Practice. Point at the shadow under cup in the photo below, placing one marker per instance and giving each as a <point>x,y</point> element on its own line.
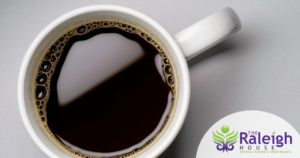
<point>93,13</point>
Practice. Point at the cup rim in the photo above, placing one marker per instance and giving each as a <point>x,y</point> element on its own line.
<point>185,84</point>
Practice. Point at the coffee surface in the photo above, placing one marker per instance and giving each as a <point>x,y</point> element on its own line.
<point>105,91</point>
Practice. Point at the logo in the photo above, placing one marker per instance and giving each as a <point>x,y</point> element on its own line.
<point>250,134</point>
<point>225,142</point>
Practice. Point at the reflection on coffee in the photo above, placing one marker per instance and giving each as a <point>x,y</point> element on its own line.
<point>104,89</point>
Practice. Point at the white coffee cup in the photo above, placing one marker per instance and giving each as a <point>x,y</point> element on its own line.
<point>184,45</point>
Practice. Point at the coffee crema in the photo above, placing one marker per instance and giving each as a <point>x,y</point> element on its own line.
<point>117,117</point>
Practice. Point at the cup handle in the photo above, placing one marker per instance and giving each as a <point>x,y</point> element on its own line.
<point>208,32</point>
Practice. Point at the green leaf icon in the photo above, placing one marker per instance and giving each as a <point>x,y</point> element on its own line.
<point>273,132</point>
<point>223,140</point>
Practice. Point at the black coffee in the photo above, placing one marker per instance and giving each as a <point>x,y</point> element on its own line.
<point>104,89</point>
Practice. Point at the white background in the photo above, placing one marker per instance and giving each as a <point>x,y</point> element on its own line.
<point>256,69</point>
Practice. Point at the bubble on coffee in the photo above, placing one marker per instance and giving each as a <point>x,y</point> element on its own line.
<point>53,58</point>
<point>46,65</point>
<point>40,92</point>
<point>53,49</point>
<point>81,29</point>
<point>41,79</point>
<point>168,69</point>
<point>127,105</point>
<point>171,80</point>
<point>166,61</point>
<point>48,55</point>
